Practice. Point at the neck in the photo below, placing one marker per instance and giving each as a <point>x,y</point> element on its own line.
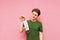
<point>33,20</point>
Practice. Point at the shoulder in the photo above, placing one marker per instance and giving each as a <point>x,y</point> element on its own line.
<point>28,20</point>
<point>39,23</point>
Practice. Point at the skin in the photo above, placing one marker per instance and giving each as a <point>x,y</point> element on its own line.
<point>22,18</point>
<point>34,16</point>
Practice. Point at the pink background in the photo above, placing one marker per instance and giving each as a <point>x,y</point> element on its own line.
<point>10,10</point>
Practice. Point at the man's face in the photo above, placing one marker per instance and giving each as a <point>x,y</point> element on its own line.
<point>34,15</point>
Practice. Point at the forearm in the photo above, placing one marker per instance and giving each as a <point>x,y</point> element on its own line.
<point>40,36</point>
<point>21,27</point>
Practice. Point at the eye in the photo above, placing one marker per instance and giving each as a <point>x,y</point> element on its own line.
<point>35,15</point>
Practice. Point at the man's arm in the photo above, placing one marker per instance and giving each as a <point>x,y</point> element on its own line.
<point>22,18</point>
<point>40,35</point>
<point>21,27</point>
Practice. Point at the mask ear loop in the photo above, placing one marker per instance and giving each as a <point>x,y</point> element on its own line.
<point>26,25</point>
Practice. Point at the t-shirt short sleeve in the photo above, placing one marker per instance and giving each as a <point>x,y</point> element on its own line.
<point>40,27</point>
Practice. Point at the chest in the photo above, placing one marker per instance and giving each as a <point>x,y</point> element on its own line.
<point>33,26</point>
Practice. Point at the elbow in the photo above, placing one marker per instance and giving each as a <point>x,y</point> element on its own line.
<point>20,31</point>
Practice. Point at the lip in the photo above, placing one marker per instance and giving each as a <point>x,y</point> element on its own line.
<point>33,17</point>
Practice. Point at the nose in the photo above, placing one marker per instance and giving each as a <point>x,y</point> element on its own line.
<point>33,15</point>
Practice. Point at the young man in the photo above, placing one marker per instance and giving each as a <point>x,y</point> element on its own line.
<point>35,27</point>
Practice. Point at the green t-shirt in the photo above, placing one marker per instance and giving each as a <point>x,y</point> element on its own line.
<point>34,29</point>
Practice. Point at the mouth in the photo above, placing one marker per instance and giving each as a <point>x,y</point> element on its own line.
<point>33,17</point>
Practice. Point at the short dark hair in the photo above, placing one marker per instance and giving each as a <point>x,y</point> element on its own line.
<point>36,10</point>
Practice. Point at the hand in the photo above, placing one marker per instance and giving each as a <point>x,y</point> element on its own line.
<point>22,18</point>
